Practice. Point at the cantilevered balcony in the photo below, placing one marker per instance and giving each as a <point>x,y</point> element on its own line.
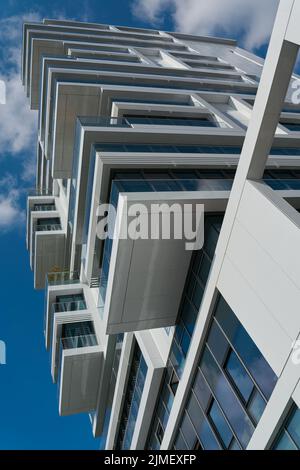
<point>38,201</point>
<point>78,346</point>
<point>155,270</point>
<point>76,353</point>
<point>80,362</point>
<point>46,243</point>
<point>151,295</point>
<point>64,295</point>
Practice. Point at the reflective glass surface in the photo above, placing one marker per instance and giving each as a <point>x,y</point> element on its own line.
<point>194,288</point>
<point>133,395</point>
<point>228,393</point>
<point>289,435</point>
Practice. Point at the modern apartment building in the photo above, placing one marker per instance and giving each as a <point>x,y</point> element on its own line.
<point>163,347</point>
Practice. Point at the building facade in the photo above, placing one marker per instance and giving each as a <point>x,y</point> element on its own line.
<point>164,347</point>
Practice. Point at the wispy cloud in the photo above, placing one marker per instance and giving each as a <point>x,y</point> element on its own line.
<point>250,20</point>
<point>18,125</point>
<point>11,213</point>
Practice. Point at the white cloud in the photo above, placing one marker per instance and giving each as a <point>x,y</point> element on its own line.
<point>251,20</point>
<point>29,169</point>
<point>18,125</point>
<point>11,213</point>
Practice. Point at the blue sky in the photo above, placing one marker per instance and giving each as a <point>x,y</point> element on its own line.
<point>28,399</point>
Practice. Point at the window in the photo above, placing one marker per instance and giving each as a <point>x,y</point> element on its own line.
<point>291,126</point>
<point>171,120</point>
<point>78,335</point>
<point>289,436</point>
<point>231,385</point>
<point>256,406</point>
<point>220,424</point>
<point>159,432</point>
<point>48,224</point>
<point>217,149</point>
<point>180,443</point>
<point>197,445</point>
<point>179,349</point>
<point>135,386</point>
<point>49,206</point>
<point>71,302</point>
<point>174,381</point>
<point>239,376</point>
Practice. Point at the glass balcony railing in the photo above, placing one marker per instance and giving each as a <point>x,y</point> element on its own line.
<point>283,184</point>
<point>172,121</point>
<point>130,121</point>
<point>83,341</point>
<point>168,185</point>
<point>48,228</point>
<point>61,307</point>
<point>40,192</point>
<point>63,278</point>
<point>44,207</point>
<point>291,110</point>
<point>105,121</point>
<point>73,305</point>
<point>59,279</point>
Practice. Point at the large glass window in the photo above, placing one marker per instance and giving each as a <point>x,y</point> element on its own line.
<point>231,387</point>
<point>219,423</point>
<point>239,376</point>
<point>191,300</point>
<point>135,386</point>
<point>289,436</point>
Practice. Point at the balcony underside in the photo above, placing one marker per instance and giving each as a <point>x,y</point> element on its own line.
<point>81,370</point>
<point>147,277</point>
<point>48,256</point>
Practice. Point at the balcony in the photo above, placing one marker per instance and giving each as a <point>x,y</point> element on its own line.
<point>78,346</point>
<point>64,307</point>
<point>150,264</point>
<point>38,201</point>
<point>155,269</point>
<point>64,294</point>
<point>62,278</point>
<point>46,242</point>
<point>44,207</point>
<point>81,361</point>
